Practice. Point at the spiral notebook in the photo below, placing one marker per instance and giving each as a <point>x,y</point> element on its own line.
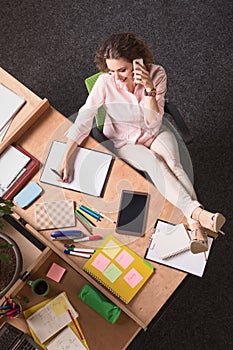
<point>119,268</point>
<point>171,240</point>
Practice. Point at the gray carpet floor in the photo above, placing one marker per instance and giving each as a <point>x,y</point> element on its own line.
<point>49,46</point>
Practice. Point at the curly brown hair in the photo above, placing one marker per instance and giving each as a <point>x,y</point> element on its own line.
<point>122,45</point>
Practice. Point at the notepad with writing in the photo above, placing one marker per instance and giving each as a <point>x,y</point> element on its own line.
<point>90,169</point>
<point>119,268</point>
<point>171,240</point>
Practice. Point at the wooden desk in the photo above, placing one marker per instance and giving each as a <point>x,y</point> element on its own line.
<point>51,125</point>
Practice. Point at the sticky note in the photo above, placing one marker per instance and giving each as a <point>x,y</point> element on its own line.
<point>100,262</point>
<point>124,259</point>
<point>56,272</point>
<point>111,249</point>
<point>112,272</point>
<point>133,278</point>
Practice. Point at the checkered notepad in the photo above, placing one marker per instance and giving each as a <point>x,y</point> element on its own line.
<point>55,214</point>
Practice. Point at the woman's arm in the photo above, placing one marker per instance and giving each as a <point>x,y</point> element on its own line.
<point>155,89</point>
<point>65,169</point>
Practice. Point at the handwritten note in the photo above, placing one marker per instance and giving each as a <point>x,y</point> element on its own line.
<point>51,318</point>
<point>133,278</point>
<point>66,340</point>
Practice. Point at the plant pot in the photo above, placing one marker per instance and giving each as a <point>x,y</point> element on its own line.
<point>9,271</point>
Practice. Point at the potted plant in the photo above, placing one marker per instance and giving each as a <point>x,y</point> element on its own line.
<point>5,208</point>
<point>10,256</point>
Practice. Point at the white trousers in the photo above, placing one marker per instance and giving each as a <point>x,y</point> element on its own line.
<point>162,163</point>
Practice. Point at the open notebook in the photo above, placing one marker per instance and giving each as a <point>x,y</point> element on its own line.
<point>91,169</point>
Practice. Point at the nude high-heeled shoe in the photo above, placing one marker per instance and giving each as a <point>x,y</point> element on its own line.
<point>197,245</point>
<point>211,221</point>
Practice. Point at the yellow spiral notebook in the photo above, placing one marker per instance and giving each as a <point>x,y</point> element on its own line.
<point>118,268</point>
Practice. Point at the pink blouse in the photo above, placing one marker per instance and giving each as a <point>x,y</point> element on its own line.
<point>125,111</point>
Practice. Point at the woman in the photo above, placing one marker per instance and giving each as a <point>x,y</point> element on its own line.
<point>134,104</point>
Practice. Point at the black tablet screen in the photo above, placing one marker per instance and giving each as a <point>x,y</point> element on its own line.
<point>132,213</point>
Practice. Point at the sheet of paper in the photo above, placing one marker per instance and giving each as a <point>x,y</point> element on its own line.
<point>10,103</point>
<point>12,162</point>
<point>66,340</point>
<point>50,319</point>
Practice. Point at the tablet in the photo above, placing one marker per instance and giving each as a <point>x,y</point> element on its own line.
<point>132,213</point>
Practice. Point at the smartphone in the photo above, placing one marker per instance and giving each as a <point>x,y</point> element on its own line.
<point>140,61</point>
<point>132,213</point>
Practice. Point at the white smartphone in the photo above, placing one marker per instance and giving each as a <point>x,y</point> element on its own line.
<point>137,60</point>
<point>140,61</point>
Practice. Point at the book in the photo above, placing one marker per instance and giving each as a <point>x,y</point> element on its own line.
<point>118,268</point>
<point>91,169</point>
<point>51,318</point>
<point>10,104</point>
<point>186,261</point>
<point>171,240</point>
<point>54,214</point>
<point>48,310</point>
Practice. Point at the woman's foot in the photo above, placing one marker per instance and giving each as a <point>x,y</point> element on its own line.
<point>199,239</point>
<point>213,222</point>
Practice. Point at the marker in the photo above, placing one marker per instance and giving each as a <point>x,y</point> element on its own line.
<point>56,172</point>
<point>91,238</point>
<point>82,255</point>
<point>105,216</point>
<point>81,250</point>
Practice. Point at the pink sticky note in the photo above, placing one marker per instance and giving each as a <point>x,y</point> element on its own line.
<point>124,259</point>
<point>100,262</point>
<point>133,278</point>
<point>56,272</point>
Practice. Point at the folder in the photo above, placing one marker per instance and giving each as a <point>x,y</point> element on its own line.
<point>30,169</point>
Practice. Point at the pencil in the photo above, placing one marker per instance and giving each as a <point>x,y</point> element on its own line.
<point>85,216</point>
<point>80,219</point>
<point>75,324</point>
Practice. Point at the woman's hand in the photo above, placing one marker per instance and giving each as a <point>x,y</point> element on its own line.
<point>66,168</point>
<point>142,76</point>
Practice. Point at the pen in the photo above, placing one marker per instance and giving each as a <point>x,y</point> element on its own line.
<point>90,212</point>
<point>82,255</point>
<point>91,238</point>
<point>75,324</point>
<point>81,250</point>
<point>105,216</point>
<point>56,172</point>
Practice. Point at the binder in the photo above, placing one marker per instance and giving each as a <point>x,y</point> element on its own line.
<point>30,169</point>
